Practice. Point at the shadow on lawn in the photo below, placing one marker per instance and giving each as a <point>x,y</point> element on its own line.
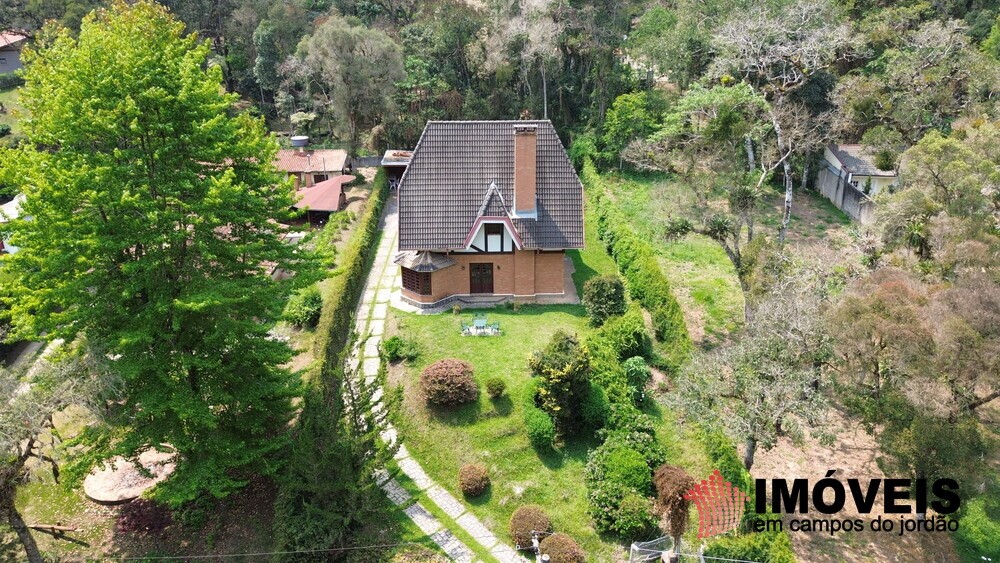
<point>460,415</point>
<point>575,449</point>
<point>482,499</point>
<point>502,406</point>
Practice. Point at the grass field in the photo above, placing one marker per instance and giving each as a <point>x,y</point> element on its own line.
<point>492,431</point>
<point>9,99</point>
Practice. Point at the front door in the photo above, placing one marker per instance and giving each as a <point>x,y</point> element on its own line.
<point>481,278</point>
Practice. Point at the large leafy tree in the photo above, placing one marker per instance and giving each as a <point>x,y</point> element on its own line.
<point>349,72</point>
<point>152,232</point>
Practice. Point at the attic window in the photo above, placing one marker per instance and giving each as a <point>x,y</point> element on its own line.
<point>493,229</point>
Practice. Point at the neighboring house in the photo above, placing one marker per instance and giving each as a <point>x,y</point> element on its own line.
<point>849,178</point>
<point>311,166</point>
<point>322,199</point>
<point>487,208</point>
<point>10,51</point>
<point>394,162</point>
<point>8,212</point>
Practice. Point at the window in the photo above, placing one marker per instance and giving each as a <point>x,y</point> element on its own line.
<point>3,61</point>
<point>317,178</point>
<point>494,229</point>
<point>417,282</point>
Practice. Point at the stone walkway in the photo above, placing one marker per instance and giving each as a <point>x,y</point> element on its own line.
<point>384,279</point>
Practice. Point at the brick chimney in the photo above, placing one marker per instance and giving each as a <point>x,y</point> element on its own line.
<point>525,168</point>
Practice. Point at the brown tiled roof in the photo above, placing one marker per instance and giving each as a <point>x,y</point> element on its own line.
<point>324,196</point>
<point>856,160</point>
<point>291,160</point>
<point>445,188</point>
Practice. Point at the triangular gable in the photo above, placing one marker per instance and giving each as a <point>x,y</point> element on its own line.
<point>488,219</point>
<point>493,203</point>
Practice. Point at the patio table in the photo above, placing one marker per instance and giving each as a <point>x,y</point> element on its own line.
<point>479,323</point>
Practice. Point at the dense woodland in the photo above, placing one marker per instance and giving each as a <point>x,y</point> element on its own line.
<point>900,330</point>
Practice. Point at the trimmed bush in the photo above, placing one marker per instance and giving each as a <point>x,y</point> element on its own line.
<point>627,467</point>
<point>562,549</point>
<point>766,547</point>
<point>396,348</point>
<point>304,307</point>
<point>604,297</point>
<point>636,259</point>
<point>563,372</point>
<point>596,409</point>
<point>638,375</point>
<point>541,429</point>
<point>979,526</point>
<point>526,519</point>
<point>495,387</point>
<point>449,382</point>
<point>633,517</point>
<point>473,479</point>
<point>4,129</point>
<point>671,483</point>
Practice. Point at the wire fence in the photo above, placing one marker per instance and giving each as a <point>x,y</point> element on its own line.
<point>654,550</point>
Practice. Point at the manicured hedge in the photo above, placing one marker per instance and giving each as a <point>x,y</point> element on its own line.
<point>636,258</point>
<point>344,289</point>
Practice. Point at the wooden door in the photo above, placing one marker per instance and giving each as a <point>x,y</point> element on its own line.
<point>481,278</point>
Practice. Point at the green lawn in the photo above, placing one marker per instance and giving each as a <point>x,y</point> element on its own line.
<point>9,99</point>
<point>492,432</point>
<point>592,260</point>
<point>701,274</point>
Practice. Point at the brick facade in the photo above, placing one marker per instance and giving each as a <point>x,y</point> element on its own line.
<point>522,273</point>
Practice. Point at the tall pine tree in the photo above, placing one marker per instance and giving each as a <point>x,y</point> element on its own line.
<point>152,203</point>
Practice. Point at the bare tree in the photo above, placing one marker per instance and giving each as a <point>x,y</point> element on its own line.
<point>777,50</point>
<point>31,398</point>
<point>532,27</point>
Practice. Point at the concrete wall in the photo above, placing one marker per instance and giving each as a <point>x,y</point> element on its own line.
<point>12,60</point>
<point>522,273</point>
<point>834,186</point>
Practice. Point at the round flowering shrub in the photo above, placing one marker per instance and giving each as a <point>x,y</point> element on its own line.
<point>526,519</point>
<point>562,549</point>
<point>473,479</point>
<point>449,382</point>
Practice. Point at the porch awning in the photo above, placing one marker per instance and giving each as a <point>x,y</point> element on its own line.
<point>423,260</point>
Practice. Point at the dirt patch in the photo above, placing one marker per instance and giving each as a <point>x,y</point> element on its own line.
<point>852,456</point>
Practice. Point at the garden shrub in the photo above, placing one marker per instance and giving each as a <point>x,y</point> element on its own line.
<point>304,307</point>
<point>396,348</point>
<point>671,484</point>
<point>4,129</point>
<point>627,335</point>
<point>143,516</point>
<point>604,297</point>
<point>722,453</point>
<point>636,258</point>
<point>638,375</point>
<point>628,467</point>
<point>343,290</point>
<point>563,372</point>
<point>765,547</point>
<point>473,479</point>
<point>449,382</point>
<point>978,532</point>
<point>526,519</point>
<point>541,429</point>
<point>633,517</point>
<point>596,409</point>
<point>495,387</point>
<point>562,549</point>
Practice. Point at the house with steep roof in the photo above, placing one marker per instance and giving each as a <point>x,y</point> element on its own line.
<point>322,199</point>
<point>10,51</point>
<point>308,167</point>
<point>849,178</point>
<point>9,212</point>
<point>487,208</point>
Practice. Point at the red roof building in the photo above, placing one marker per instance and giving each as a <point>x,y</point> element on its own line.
<point>311,166</point>
<point>323,198</point>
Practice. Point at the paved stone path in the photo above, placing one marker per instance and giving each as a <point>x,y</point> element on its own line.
<point>383,281</point>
